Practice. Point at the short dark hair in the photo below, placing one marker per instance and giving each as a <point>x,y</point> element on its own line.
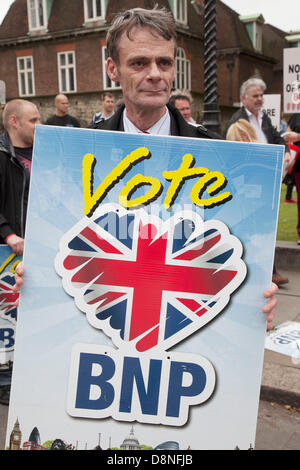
<point>173,99</point>
<point>159,19</point>
<point>15,107</point>
<point>105,94</point>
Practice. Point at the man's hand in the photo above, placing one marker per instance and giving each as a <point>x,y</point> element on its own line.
<point>291,137</point>
<point>19,273</point>
<point>16,244</point>
<point>288,160</point>
<point>269,307</point>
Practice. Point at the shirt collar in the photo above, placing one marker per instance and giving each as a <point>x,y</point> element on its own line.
<point>161,127</point>
<point>259,114</point>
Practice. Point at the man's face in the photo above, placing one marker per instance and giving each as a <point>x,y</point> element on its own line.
<point>108,105</point>
<point>62,105</point>
<point>184,107</point>
<point>254,99</point>
<point>145,70</point>
<point>25,125</point>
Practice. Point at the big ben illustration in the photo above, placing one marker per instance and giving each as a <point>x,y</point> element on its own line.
<point>15,437</point>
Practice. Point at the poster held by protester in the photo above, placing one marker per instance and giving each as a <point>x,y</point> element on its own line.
<point>146,260</point>
<point>8,309</point>
<point>8,319</point>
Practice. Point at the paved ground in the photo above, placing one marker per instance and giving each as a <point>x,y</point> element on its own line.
<point>278,427</point>
<point>281,373</point>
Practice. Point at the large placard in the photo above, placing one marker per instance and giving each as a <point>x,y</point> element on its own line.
<point>141,317</point>
<point>8,309</point>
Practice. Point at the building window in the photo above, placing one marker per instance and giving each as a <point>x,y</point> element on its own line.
<point>94,10</point>
<point>180,11</point>
<point>253,24</point>
<point>258,37</point>
<point>37,17</point>
<point>107,82</point>
<point>25,76</point>
<point>255,33</point>
<point>293,40</point>
<point>66,72</point>
<point>183,71</point>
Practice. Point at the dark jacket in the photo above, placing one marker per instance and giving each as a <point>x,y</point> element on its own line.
<point>12,191</point>
<point>179,126</point>
<point>272,135</point>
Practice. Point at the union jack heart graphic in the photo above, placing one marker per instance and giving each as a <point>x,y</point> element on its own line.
<point>8,297</point>
<point>145,282</point>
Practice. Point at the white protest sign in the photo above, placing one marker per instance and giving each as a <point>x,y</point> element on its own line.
<point>291,80</point>
<point>272,109</point>
<point>285,339</point>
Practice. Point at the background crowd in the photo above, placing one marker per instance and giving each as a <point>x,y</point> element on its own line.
<point>248,124</point>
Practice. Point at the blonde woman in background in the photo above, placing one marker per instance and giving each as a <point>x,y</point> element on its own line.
<point>241,131</point>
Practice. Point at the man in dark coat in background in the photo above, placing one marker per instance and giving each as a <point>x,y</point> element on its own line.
<point>252,98</point>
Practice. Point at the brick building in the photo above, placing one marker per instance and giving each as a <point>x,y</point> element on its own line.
<point>246,47</point>
<point>52,46</point>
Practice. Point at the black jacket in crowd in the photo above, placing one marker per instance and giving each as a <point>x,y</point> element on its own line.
<point>272,135</point>
<point>179,126</point>
<point>12,191</point>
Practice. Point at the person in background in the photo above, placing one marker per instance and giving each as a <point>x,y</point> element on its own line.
<point>182,100</point>
<point>292,136</point>
<point>241,131</point>
<point>16,142</point>
<point>61,116</point>
<point>19,119</point>
<point>283,125</point>
<point>108,108</point>
<point>288,179</point>
<point>252,98</point>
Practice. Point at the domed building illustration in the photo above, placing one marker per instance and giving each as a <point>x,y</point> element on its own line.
<point>131,442</point>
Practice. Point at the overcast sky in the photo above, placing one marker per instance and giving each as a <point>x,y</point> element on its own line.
<point>283,14</point>
<point>4,6</point>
